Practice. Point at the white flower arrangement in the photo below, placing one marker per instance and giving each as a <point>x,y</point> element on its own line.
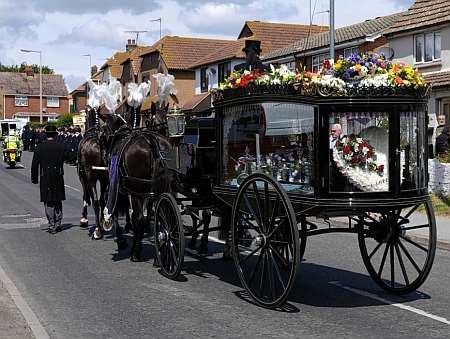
<point>329,81</point>
<point>379,80</point>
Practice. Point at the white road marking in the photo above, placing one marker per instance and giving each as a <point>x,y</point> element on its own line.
<point>388,302</point>
<point>16,215</point>
<point>31,318</point>
<point>72,188</point>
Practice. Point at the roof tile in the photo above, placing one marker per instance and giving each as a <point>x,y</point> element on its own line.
<point>19,83</point>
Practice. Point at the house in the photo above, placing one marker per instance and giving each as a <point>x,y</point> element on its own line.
<point>421,37</point>
<point>312,50</point>
<point>79,94</point>
<point>130,67</point>
<point>175,55</point>
<point>112,68</point>
<point>21,100</point>
<point>216,66</point>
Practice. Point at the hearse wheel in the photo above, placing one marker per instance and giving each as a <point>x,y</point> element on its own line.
<point>169,236</point>
<point>398,246</point>
<point>265,240</point>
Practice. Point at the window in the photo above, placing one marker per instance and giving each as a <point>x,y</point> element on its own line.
<point>290,65</point>
<point>349,51</point>
<point>427,47</point>
<point>317,61</point>
<point>52,102</point>
<point>359,152</point>
<point>203,80</point>
<point>275,138</point>
<point>224,71</point>
<point>21,100</point>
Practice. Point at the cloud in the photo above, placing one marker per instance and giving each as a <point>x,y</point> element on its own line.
<point>18,21</point>
<point>73,81</point>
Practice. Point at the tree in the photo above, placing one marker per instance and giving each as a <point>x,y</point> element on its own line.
<point>21,68</point>
<point>65,120</point>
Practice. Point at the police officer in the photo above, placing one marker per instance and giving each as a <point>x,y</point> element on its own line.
<point>48,168</point>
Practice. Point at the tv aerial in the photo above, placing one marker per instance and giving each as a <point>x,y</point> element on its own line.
<point>137,34</point>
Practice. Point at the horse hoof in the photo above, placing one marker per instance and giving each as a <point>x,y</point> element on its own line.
<point>107,225</point>
<point>97,236</point>
<point>135,258</point>
<point>84,223</point>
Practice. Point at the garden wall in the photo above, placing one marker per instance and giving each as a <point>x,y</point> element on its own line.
<point>439,177</point>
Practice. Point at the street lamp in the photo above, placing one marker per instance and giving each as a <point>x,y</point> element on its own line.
<point>89,75</point>
<point>176,122</point>
<point>40,79</point>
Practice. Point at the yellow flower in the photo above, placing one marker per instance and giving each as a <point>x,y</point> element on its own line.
<point>338,65</point>
<point>357,67</point>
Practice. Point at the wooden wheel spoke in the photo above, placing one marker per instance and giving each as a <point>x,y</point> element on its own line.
<point>411,260</point>
<point>411,211</point>
<point>270,274</point>
<point>391,250</point>
<point>258,205</point>
<point>174,254</point>
<point>261,281</point>
<point>266,206</point>
<point>250,255</point>
<point>402,265</point>
<point>380,270</point>
<point>414,243</point>
<point>270,235</point>
<point>283,260</point>
<point>375,250</point>
<point>257,229</point>
<point>252,210</point>
<point>255,269</point>
<point>415,227</point>
<point>277,270</point>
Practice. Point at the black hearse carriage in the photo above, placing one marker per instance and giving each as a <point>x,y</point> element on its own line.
<point>279,170</point>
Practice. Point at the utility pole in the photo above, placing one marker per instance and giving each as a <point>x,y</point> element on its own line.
<point>160,25</point>
<point>332,33</point>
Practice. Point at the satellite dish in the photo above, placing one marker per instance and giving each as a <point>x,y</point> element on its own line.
<point>388,52</point>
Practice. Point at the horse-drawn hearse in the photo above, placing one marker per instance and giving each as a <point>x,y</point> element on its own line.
<point>263,161</point>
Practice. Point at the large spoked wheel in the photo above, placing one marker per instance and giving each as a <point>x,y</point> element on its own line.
<point>169,236</point>
<point>265,240</point>
<point>398,246</point>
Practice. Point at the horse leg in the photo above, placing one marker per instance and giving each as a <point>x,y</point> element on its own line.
<point>84,222</point>
<point>118,233</point>
<point>98,232</point>
<point>206,218</point>
<point>128,223</point>
<point>138,228</point>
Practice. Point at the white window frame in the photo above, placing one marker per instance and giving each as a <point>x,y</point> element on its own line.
<point>436,55</point>
<point>21,101</point>
<point>317,61</point>
<point>55,102</point>
<point>349,51</point>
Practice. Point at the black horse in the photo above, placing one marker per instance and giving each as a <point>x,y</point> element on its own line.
<point>92,169</point>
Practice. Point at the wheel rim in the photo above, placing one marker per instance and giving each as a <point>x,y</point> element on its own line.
<point>169,237</point>
<point>398,246</point>
<point>265,240</point>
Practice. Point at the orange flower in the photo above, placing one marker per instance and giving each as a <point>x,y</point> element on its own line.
<point>398,81</point>
<point>395,68</point>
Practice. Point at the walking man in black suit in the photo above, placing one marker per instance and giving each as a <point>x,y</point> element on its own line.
<point>48,168</point>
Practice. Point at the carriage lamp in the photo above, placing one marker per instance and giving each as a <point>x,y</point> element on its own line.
<point>176,121</point>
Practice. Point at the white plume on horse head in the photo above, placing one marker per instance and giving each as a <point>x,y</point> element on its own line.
<point>166,86</point>
<point>95,96</point>
<point>137,93</point>
<point>112,94</point>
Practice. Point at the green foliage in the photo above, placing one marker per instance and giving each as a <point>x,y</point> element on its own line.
<point>21,69</point>
<point>65,120</point>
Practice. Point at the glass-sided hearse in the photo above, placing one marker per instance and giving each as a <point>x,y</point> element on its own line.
<point>279,164</point>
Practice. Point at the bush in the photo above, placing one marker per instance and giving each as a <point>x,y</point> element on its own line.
<point>65,120</point>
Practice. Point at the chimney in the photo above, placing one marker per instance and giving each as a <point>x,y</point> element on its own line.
<point>131,44</point>
<point>29,71</point>
<point>93,70</point>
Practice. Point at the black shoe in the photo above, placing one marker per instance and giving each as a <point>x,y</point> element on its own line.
<point>58,229</point>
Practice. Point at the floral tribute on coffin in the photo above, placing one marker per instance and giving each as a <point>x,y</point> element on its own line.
<point>358,160</point>
<point>357,75</point>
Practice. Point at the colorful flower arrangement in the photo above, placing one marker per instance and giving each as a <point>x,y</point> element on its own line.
<point>365,70</point>
<point>357,152</point>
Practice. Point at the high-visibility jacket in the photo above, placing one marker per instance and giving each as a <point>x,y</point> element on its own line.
<point>12,142</point>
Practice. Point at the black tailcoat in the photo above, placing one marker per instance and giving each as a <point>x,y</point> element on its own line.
<point>48,168</point>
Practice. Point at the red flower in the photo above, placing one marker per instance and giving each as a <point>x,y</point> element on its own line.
<point>346,149</point>
<point>381,168</point>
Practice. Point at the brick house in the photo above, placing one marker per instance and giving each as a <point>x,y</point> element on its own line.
<point>20,96</point>
<point>175,55</point>
<point>367,36</point>
<point>421,38</point>
<point>214,67</point>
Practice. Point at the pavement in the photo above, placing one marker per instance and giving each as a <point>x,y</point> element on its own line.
<point>68,286</point>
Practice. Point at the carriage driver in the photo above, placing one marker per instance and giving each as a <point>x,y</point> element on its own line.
<point>13,142</point>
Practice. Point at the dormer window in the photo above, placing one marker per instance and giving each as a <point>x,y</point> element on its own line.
<point>427,47</point>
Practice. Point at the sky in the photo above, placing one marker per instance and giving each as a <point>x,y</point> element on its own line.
<point>66,30</point>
